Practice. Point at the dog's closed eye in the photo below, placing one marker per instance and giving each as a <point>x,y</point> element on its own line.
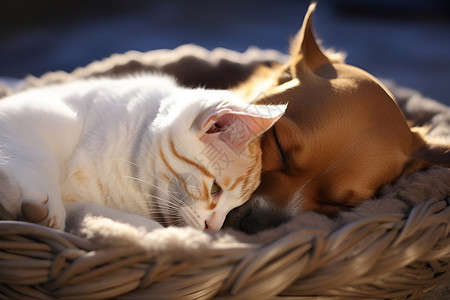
<point>280,149</point>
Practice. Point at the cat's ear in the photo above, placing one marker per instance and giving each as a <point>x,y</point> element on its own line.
<point>237,126</point>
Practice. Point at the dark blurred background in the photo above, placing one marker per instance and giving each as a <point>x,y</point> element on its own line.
<point>404,40</point>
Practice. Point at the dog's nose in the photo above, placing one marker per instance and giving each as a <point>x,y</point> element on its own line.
<point>256,222</point>
<point>251,225</point>
<point>254,216</point>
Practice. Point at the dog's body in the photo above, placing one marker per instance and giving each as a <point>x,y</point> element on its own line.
<point>342,136</point>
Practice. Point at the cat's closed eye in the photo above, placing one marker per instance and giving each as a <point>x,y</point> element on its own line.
<point>215,189</point>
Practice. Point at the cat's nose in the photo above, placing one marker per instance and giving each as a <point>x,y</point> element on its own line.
<point>207,226</point>
<point>214,223</point>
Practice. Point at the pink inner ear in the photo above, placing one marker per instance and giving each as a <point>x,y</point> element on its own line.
<point>214,128</point>
<point>219,122</point>
<point>236,129</point>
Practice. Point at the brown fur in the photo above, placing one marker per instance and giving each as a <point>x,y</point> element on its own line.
<point>342,136</point>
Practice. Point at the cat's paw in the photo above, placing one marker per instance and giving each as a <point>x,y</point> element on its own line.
<point>43,212</point>
<point>28,196</point>
<point>46,212</point>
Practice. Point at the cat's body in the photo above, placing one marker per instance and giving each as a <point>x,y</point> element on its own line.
<point>136,144</point>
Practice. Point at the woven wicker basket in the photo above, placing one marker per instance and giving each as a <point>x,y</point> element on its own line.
<point>395,246</point>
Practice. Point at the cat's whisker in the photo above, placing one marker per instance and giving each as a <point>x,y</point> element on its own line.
<point>176,199</point>
<point>170,207</point>
<point>167,207</point>
<point>146,182</point>
<point>171,196</point>
<point>149,172</point>
<point>164,201</point>
<point>172,214</point>
<point>154,175</point>
<point>133,208</point>
<point>129,162</point>
<point>190,216</point>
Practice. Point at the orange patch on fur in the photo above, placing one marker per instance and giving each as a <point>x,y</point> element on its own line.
<point>234,185</point>
<point>79,176</point>
<point>171,170</point>
<point>100,187</point>
<point>69,199</point>
<point>205,190</point>
<point>212,205</point>
<point>188,161</point>
<point>165,177</point>
<point>226,181</point>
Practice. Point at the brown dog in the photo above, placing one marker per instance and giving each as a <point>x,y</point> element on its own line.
<point>341,138</point>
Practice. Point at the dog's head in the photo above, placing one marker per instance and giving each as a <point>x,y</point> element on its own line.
<point>342,135</point>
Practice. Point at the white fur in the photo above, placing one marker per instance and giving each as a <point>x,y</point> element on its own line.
<point>98,141</point>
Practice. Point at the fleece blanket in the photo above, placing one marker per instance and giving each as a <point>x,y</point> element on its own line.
<point>221,68</point>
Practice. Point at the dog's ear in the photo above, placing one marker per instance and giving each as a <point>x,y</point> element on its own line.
<point>306,54</point>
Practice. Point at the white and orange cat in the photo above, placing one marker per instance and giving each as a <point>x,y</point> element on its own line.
<point>143,145</point>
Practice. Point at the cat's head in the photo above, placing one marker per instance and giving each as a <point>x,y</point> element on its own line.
<point>210,157</point>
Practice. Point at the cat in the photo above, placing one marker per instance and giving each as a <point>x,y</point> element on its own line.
<point>143,145</point>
